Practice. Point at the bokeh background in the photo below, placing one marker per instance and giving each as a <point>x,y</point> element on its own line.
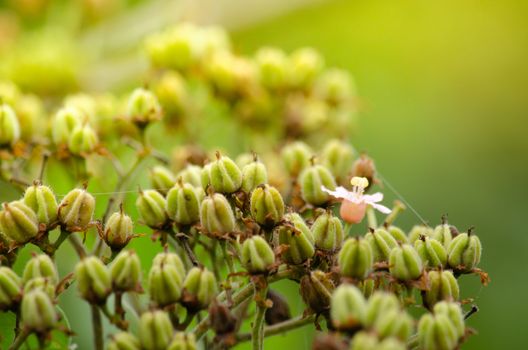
<point>444,111</point>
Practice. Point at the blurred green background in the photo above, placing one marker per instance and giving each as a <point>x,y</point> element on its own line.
<point>444,113</point>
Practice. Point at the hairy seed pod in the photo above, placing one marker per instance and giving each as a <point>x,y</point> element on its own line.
<point>165,283</point>
<point>296,157</point>
<point>394,323</point>
<point>83,140</point>
<point>118,230</point>
<point>151,207</point>
<point>364,341</point>
<point>155,330</point>
<point>162,179</point>
<point>338,156</point>
<point>405,263</point>
<point>76,210</point>
<point>9,125</point>
<point>183,203</point>
<point>126,271</point>
<point>199,289</point>
<point>418,231</point>
<point>348,308</point>
<point>66,120</point>
<point>436,333</point>
<point>381,243</point>
<point>256,255</point>
<point>143,107</point>
<point>454,312</point>
<point>306,64</point>
<point>328,232</point>
<point>253,175</point>
<point>367,286</point>
<point>279,311</point>
<point>124,341</point>
<point>298,238</point>
<point>42,283</point>
<point>442,286</point>
<point>311,180</point>
<point>464,252</point>
<point>10,288</point>
<point>168,258</point>
<point>442,233</point>
<point>216,215</point>
<point>355,258</point>
<point>40,265</point>
<point>18,222</point>
<point>42,201</point>
<point>379,303</point>
<point>398,234</point>
<point>37,311</point>
<point>192,174</point>
<point>93,280</point>
<point>266,205</point>
<point>222,174</point>
<point>316,290</point>
<point>432,252</point>
<point>272,68</point>
<point>183,341</point>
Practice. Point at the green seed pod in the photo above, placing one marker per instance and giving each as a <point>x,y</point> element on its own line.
<point>316,290</point>
<point>18,222</point>
<point>306,64</point>
<point>42,201</point>
<point>398,234</point>
<point>338,156</point>
<point>9,125</point>
<point>162,179</point>
<point>82,140</point>
<point>168,258</point>
<point>348,308</point>
<point>405,263</point>
<point>93,280</point>
<point>442,286</point>
<point>335,86</point>
<point>378,304</point>
<point>296,157</point>
<point>155,330</point>
<point>216,215</point>
<point>118,230</point>
<point>464,252</point>
<point>364,341</point>
<point>172,94</point>
<point>454,312</point>
<point>199,289</point>
<point>37,311</point>
<point>436,333</point>
<point>253,175</point>
<point>328,232</point>
<point>10,288</point>
<point>41,283</point>
<point>183,341</point>
<point>391,344</point>
<point>298,238</point>
<point>165,284</point>
<point>355,258</point>
<point>256,255</point>
<point>76,210</point>
<point>311,180</point>
<point>272,68</point>
<point>40,266</point>
<point>266,205</point>
<point>126,271</point>
<point>442,233</point>
<point>394,323</point>
<point>124,341</point>
<point>151,207</point>
<point>143,107</point>
<point>367,286</point>
<point>417,231</point>
<point>223,175</point>
<point>432,252</point>
<point>183,203</point>
<point>381,243</point>
<point>192,174</point>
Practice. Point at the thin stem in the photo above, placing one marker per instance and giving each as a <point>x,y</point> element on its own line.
<point>97,324</point>
<point>228,257</point>
<point>77,245</point>
<point>184,242</point>
<point>396,210</point>
<point>257,333</point>
<point>19,340</point>
<point>62,237</point>
<point>282,327</point>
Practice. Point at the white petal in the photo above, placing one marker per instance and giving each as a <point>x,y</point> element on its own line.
<point>373,198</point>
<point>340,192</point>
<point>381,208</point>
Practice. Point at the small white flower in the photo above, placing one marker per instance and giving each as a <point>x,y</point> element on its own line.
<point>356,195</point>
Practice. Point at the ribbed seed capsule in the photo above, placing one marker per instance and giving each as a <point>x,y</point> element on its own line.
<point>37,311</point>
<point>355,258</point>
<point>328,232</point>
<point>126,271</point>
<point>183,203</point>
<point>124,341</point>
<point>9,125</point>
<point>93,280</point>
<point>378,304</point>
<point>216,215</point>
<point>316,290</point>
<point>83,140</point>
<point>306,64</point>
<point>367,286</point>
<point>432,252</point>
<point>18,222</point>
<point>266,205</point>
<point>338,156</point>
<point>118,230</point>
<point>143,107</point>
<point>381,243</point>
<point>192,174</point>
<point>391,344</point>
<point>405,263</point>
<point>272,68</point>
<point>183,341</point>
<point>442,286</point>
<point>66,120</point>
<point>442,233</point>
<point>464,252</point>
<point>436,333</point>
<point>311,180</point>
<point>398,234</point>
<point>42,283</point>
<point>168,258</point>
<point>76,210</point>
<point>335,86</point>
<point>417,231</point>
<point>257,255</point>
<point>155,330</point>
<point>42,201</point>
<point>162,179</point>
<point>348,307</point>
<point>222,174</point>
<point>10,288</point>
<point>296,156</point>
<point>454,312</point>
<point>151,207</point>
<point>40,266</point>
<point>253,175</point>
<point>199,289</point>
<point>165,284</point>
<point>364,341</point>
<point>172,93</point>
<point>298,238</point>
<point>394,323</point>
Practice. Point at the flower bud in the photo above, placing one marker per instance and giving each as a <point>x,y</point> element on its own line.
<point>143,107</point>
<point>337,156</point>
<point>417,231</point>
<point>172,95</point>
<point>405,263</point>
<point>40,266</point>
<point>355,258</point>
<point>42,283</point>
<point>464,252</point>
<point>454,312</point>
<point>216,215</point>
<point>10,288</point>
<point>394,323</point>
<point>9,125</point>
<point>436,333</point>
<point>306,64</point>
<point>272,68</point>
<point>266,205</point>
<point>222,174</point>
<point>398,234</point>
<point>118,230</point>
<point>256,255</point>
<point>165,284</point>
<point>335,86</point>
<point>183,341</point>
<point>442,286</point>
<point>168,258</point>
<point>42,201</point>
<point>151,207</point>
<point>311,180</point>
<point>298,238</point>
<point>199,288</point>
<point>253,175</point>
<point>76,210</point>
<point>93,280</point>
<point>279,311</point>
<point>37,311</point>
<point>432,252</point>
<point>155,330</point>
<point>192,174</point>
<point>316,290</point>
<point>126,271</point>
<point>381,243</point>
<point>82,140</point>
<point>18,222</point>
<point>348,308</point>
<point>183,203</point>
<point>378,304</point>
<point>162,179</point>
<point>365,167</point>
<point>442,233</point>
<point>328,232</point>
<point>296,156</point>
<point>124,341</point>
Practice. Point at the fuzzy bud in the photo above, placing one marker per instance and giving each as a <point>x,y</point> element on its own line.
<point>66,120</point>
<point>10,288</point>
<point>253,175</point>
<point>298,238</point>
<point>124,341</point>
<point>172,95</point>
<point>338,156</point>
<point>37,311</point>
<point>256,255</point>
<point>335,86</point>
<point>199,289</point>
<point>316,290</point>
<point>442,286</point>
<point>126,271</point>
<point>162,179</point>
<point>464,252</point>
<point>272,68</point>
<point>76,210</point>
<point>183,203</point>
<point>192,174</point>
<point>165,283</point>
<point>306,64</point>
<point>42,201</point>
<point>82,140</point>
<point>18,222</point>
<point>42,283</point>
<point>183,341</point>
<point>9,125</point>
<point>155,330</point>
<point>40,266</point>
<point>405,263</point>
<point>266,205</point>
<point>143,107</point>
<point>381,243</point>
<point>442,233</point>
<point>432,252</point>
<point>355,258</point>
<point>93,280</point>
<point>151,207</point>
<point>418,231</point>
<point>328,232</point>
<point>437,332</point>
<point>118,230</point>
<point>222,174</point>
<point>216,215</point>
<point>168,258</point>
<point>348,308</point>
<point>311,180</point>
<point>394,323</point>
<point>296,156</point>
<point>378,304</point>
<point>454,312</point>
<point>398,234</point>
